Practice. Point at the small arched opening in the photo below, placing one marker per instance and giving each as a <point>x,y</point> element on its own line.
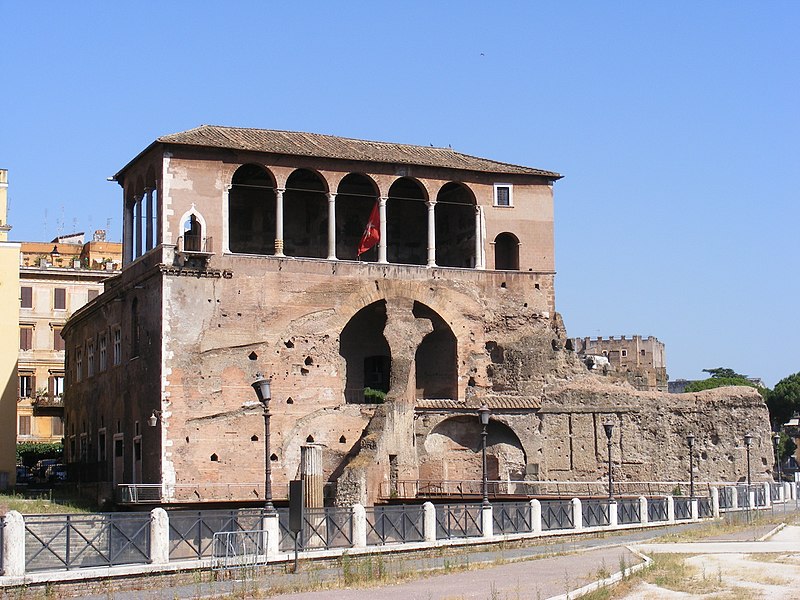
<point>455,226</point>
<point>305,215</point>
<point>366,354</point>
<point>506,252</point>
<point>355,199</point>
<point>407,223</point>
<point>251,211</point>
<point>192,234</point>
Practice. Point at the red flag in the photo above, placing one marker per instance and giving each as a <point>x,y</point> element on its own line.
<point>372,232</point>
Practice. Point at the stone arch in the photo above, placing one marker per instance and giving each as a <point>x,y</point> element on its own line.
<point>406,222</point>
<point>366,353</point>
<point>356,196</point>
<point>452,452</point>
<point>436,358</point>
<point>305,214</point>
<point>193,231</point>
<point>506,252</point>
<point>251,210</point>
<point>455,226</point>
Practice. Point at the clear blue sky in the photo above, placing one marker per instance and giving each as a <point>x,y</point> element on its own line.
<point>676,125</point>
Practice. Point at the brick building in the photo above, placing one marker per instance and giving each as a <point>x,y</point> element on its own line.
<point>241,257</point>
<point>640,361</point>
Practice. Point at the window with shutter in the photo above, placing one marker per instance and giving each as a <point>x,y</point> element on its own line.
<point>60,299</point>
<point>25,338</point>
<point>26,297</point>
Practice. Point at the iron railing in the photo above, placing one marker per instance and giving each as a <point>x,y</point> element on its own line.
<point>54,542</point>
<point>629,510</point>
<point>234,550</point>
<point>760,495</point>
<point>726,497</point>
<point>775,492</point>
<point>325,528</point>
<point>595,513</point>
<point>458,521</point>
<point>704,508</point>
<point>557,514</point>
<point>657,510</point>
<point>395,524</point>
<point>683,509</point>
<point>742,496</point>
<point>511,517</point>
<point>154,493</point>
<point>191,533</point>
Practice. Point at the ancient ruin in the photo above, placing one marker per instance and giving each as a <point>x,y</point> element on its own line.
<point>241,252</point>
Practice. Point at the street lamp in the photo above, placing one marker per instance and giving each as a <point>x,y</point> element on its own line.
<point>609,429</point>
<point>262,388</point>
<point>776,440</point>
<point>690,442</point>
<point>483,414</point>
<point>748,439</point>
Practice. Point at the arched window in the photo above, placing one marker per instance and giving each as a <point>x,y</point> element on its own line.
<point>192,234</point>
<point>436,359</point>
<point>366,353</point>
<point>506,252</point>
<point>407,223</point>
<point>355,199</point>
<point>251,211</point>
<point>305,215</point>
<point>455,226</point>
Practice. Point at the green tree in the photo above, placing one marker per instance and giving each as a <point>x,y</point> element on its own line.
<point>721,377</point>
<point>724,373</point>
<point>784,399</point>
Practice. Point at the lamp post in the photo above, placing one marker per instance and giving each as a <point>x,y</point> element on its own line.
<point>262,388</point>
<point>483,414</point>
<point>776,440</point>
<point>690,443</point>
<point>748,440</point>
<point>609,429</point>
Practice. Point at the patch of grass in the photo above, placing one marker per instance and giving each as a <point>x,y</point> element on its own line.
<point>33,506</point>
<point>670,571</point>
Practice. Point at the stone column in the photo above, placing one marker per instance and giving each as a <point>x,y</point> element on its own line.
<point>158,204</point>
<point>644,518</point>
<point>279,221</point>
<point>127,232</point>
<point>577,514</point>
<point>359,526</point>
<point>670,509</point>
<point>14,544</point>
<point>734,498</point>
<point>715,502</point>
<point>383,228</point>
<point>148,226</point>
<point>479,262</point>
<point>159,536</point>
<point>613,517</point>
<point>431,233</point>
<point>331,226</point>
<point>311,474</point>
<point>536,516</point>
<point>487,524</point>
<point>429,521</point>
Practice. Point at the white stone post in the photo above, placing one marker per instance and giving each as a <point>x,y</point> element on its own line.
<point>159,536</point>
<point>279,222</point>
<point>429,521</point>
<point>715,502</point>
<point>670,509</point>
<point>613,516</point>
<point>734,497</point>
<point>478,239</point>
<point>432,233</point>
<point>644,518</point>
<point>14,544</point>
<point>536,516</point>
<point>487,524</point>
<point>272,530</point>
<point>127,232</point>
<point>148,225</point>
<point>694,509</point>
<point>767,494</point>
<point>577,514</point>
<point>359,526</point>
<point>751,497</point>
<point>383,228</point>
<point>331,226</point>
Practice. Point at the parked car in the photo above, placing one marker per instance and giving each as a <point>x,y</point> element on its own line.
<point>57,473</point>
<point>23,475</point>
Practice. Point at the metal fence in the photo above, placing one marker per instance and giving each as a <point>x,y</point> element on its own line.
<point>629,510</point>
<point>191,533</point>
<point>683,509</point>
<point>775,492</point>
<point>742,496</point>
<point>325,528</point>
<point>511,517</point>
<point>54,542</point>
<point>458,521</point>
<point>726,497</point>
<point>657,510</point>
<point>395,524</point>
<point>557,514</point>
<point>239,550</point>
<point>704,508</point>
<point>760,495</point>
<point>595,512</point>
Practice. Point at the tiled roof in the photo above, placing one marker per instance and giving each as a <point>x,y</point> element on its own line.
<point>329,146</point>
<point>494,403</point>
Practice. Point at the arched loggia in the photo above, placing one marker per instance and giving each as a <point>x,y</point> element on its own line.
<point>455,226</point>
<point>355,200</point>
<point>305,213</point>
<point>406,223</point>
<point>251,211</point>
